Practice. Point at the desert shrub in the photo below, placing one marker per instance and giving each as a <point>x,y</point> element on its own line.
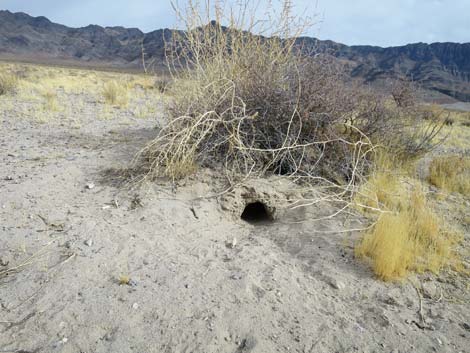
<point>451,173</point>
<point>115,93</point>
<point>8,83</point>
<point>257,104</point>
<point>404,92</point>
<point>408,238</point>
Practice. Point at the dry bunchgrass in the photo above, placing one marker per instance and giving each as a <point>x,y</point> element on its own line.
<point>410,237</point>
<point>50,99</point>
<point>116,93</point>
<point>407,235</point>
<point>8,83</point>
<point>381,190</point>
<point>451,173</point>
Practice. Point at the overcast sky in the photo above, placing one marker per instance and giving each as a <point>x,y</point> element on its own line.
<point>374,22</point>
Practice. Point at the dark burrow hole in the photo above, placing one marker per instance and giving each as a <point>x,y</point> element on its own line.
<point>256,213</point>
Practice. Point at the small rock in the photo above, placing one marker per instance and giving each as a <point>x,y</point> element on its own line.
<point>435,314</point>
<point>108,336</point>
<point>465,326</point>
<point>89,242</point>
<point>135,306</point>
<point>8,178</point>
<point>65,340</point>
<point>430,290</point>
<point>90,186</point>
<point>439,341</point>
<point>335,283</point>
<point>232,244</point>
<point>236,276</point>
<point>68,244</point>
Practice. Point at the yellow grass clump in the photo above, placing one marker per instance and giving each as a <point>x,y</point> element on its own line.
<point>451,173</point>
<point>409,238</point>
<point>116,93</point>
<point>382,189</point>
<point>50,99</point>
<point>8,83</point>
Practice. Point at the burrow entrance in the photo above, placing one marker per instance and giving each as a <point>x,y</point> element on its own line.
<point>256,213</point>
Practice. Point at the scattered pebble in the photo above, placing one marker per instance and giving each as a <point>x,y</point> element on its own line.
<point>336,284</point>
<point>236,276</point>
<point>90,186</point>
<point>68,244</point>
<point>135,306</point>
<point>232,244</point>
<point>89,242</point>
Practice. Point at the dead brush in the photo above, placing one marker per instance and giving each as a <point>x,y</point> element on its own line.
<point>254,104</point>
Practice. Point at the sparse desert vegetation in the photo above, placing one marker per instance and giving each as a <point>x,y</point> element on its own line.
<point>59,94</point>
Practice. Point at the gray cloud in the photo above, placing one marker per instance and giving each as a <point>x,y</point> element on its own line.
<point>375,22</point>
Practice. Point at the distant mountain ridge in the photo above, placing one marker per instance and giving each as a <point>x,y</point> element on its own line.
<point>441,67</point>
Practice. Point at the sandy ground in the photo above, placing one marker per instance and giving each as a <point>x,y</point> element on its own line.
<point>199,279</point>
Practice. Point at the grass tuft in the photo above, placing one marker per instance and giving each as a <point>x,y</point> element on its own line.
<point>50,99</point>
<point>116,93</point>
<point>451,173</point>
<point>8,83</point>
<point>409,238</point>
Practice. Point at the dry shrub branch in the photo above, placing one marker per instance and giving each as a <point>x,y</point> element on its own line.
<point>247,99</point>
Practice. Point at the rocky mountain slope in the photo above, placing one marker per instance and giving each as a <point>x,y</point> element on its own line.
<point>441,67</point>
